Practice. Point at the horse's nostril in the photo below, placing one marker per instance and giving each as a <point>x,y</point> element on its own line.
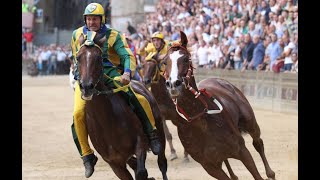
<point>147,81</point>
<point>91,86</point>
<point>168,84</point>
<point>178,83</point>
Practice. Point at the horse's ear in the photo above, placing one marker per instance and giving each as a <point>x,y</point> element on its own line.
<point>183,39</point>
<point>81,39</point>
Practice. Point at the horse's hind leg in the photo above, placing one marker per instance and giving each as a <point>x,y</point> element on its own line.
<point>216,172</point>
<point>173,155</point>
<point>247,160</point>
<point>258,145</point>
<point>132,162</point>
<point>121,171</point>
<point>232,175</point>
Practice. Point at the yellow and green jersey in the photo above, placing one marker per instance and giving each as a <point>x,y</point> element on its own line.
<point>115,51</point>
<point>150,50</point>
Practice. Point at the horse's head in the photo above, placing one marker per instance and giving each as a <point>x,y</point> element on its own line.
<point>151,71</point>
<point>89,63</point>
<point>178,66</point>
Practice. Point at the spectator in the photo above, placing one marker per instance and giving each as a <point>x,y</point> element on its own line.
<point>52,63</point>
<point>287,54</point>
<point>204,18</point>
<point>202,54</point>
<point>61,58</point>
<point>29,40</point>
<point>273,51</point>
<point>238,56</point>
<point>248,50</point>
<point>294,57</point>
<point>265,10</point>
<point>258,55</point>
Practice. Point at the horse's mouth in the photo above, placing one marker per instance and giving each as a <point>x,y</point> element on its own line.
<point>86,97</point>
<point>174,93</point>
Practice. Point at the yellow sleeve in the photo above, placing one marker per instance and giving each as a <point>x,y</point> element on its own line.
<point>150,48</point>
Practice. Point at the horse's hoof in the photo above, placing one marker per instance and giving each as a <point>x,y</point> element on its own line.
<point>271,175</point>
<point>151,178</point>
<point>173,156</point>
<point>186,160</point>
<point>234,177</point>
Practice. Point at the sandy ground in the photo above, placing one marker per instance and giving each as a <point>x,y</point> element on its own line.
<point>48,150</point>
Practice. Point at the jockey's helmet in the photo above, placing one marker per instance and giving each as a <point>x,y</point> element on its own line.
<point>95,9</point>
<point>157,35</point>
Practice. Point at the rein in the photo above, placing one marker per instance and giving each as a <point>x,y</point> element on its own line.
<point>197,94</point>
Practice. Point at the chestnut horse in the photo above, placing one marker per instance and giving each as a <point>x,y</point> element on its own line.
<point>212,117</point>
<point>114,129</point>
<point>155,82</point>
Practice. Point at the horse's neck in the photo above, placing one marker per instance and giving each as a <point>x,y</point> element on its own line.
<point>158,87</point>
<point>160,91</point>
<point>187,101</point>
<point>163,98</point>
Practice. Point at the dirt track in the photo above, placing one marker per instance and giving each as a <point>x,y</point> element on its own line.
<point>48,150</point>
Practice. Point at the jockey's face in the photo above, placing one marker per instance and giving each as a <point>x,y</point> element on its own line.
<point>93,22</point>
<point>157,43</point>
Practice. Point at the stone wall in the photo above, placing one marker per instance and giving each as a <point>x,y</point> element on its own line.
<point>264,90</point>
<point>127,10</point>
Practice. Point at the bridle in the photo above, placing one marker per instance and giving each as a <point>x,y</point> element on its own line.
<point>202,95</point>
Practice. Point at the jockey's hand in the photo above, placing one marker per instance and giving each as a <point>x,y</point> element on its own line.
<point>125,78</point>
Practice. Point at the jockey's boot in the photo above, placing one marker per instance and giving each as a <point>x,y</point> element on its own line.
<point>154,142</point>
<point>89,161</point>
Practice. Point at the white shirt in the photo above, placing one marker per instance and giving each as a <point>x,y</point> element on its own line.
<point>203,55</point>
<point>61,56</point>
<point>288,60</point>
<point>215,53</point>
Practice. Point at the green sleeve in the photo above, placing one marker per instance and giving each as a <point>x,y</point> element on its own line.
<point>121,49</point>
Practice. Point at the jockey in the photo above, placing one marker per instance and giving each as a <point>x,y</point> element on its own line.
<point>157,49</point>
<point>119,64</point>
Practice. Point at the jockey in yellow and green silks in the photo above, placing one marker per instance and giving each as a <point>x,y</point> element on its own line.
<point>119,64</point>
<point>157,48</point>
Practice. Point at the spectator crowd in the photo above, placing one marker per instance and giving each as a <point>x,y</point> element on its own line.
<point>49,59</point>
<point>259,35</point>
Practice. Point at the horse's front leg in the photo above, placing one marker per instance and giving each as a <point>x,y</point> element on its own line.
<point>173,155</point>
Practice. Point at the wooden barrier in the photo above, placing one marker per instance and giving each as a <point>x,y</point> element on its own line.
<point>264,90</point>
